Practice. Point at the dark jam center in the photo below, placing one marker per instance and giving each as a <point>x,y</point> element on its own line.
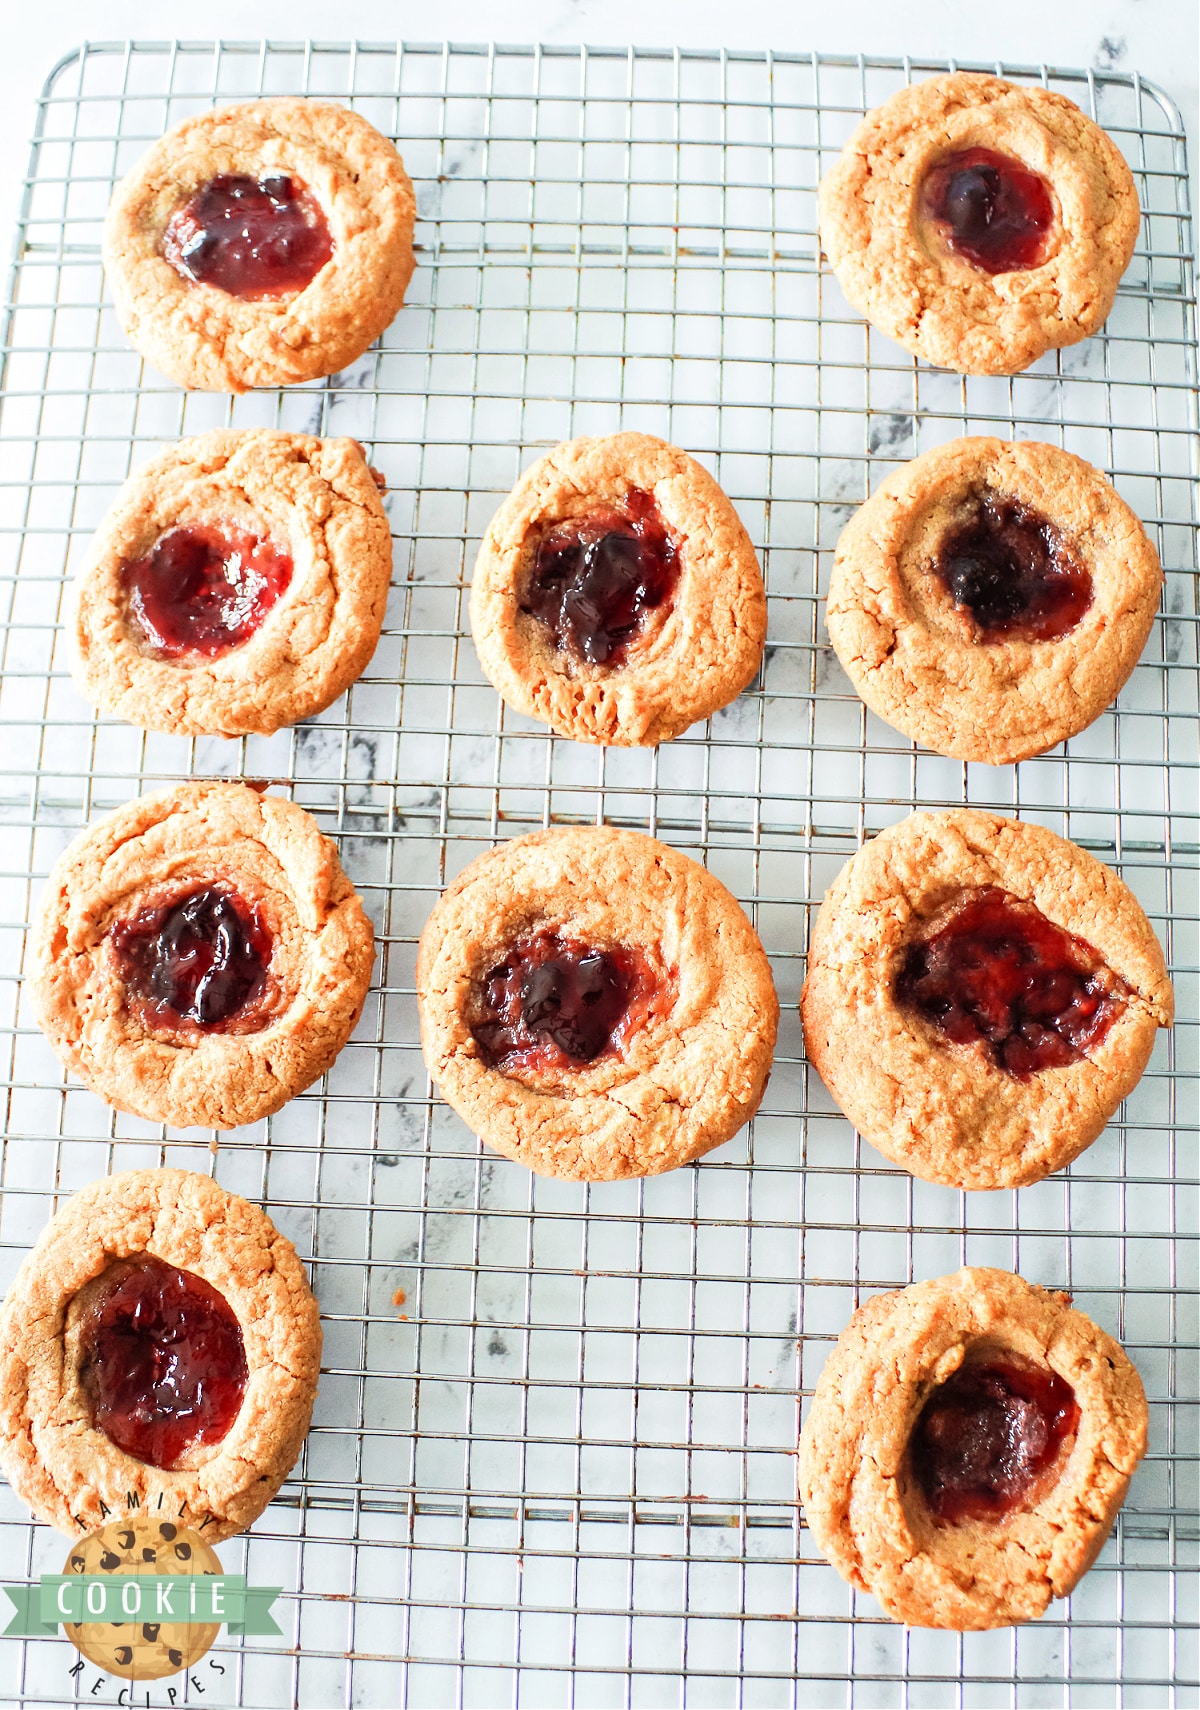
<point>988,1437</point>
<point>204,590</point>
<point>251,237</point>
<point>553,1000</point>
<point>198,960</point>
<point>1010,569</point>
<point>990,209</point>
<point>161,1361</point>
<point>1000,972</point>
<point>595,578</point>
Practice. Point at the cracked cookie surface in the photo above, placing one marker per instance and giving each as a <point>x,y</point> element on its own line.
<point>203,336</point>
<point>946,1111</point>
<point>68,1471</point>
<point>682,1080</point>
<point>692,654</point>
<point>316,502</point>
<point>895,269</point>
<point>142,858</point>
<point>866,1510</point>
<point>917,658</point>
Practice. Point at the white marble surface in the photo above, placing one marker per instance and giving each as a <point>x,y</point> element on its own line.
<point>1158,38</point>
<point>454,1228</point>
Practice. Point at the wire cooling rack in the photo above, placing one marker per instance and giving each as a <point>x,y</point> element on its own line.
<point>553,1455</point>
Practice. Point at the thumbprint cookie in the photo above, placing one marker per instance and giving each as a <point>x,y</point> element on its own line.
<point>980,997</point>
<point>595,1005</point>
<point>979,222</point>
<point>159,1352</point>
<point>990,598</point>
<point>616,594</point>
<point>237,585</point>
<point>969,1444</point>
<point>199,956</point>
<point>260,245</point>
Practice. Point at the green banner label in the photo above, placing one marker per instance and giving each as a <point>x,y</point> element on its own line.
<point>194,1599</point>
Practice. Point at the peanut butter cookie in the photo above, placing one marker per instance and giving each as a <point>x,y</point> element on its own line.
<point>199,956</point>
<point>261,245</point>
<point>237,585</point>
<point>595,1005</point>
<point>160,1348</point>
<point>616,594</point>
<point>969,1444</point>
<point>981,995</point>
<point>991,598</point>
<point>980,223</point>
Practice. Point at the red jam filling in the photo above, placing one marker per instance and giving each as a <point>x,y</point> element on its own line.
<point>252,237</point>
<point>203,590</point>
<point>990,209</point>
<point>1009,569</point>
<point>197,961</point>
<point>162,1361</point>
<point>988,1438</point>
<point>554,1003</point>
<point>596,577</point>
<point>1001,973</point>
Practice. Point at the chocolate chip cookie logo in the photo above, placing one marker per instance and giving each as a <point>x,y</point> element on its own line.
<point>142,1598</point>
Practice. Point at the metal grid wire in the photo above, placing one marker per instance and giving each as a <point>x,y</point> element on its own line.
<point>553,1454</point>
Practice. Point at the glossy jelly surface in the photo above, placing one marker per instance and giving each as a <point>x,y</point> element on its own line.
<point>999,972</point>
<point>197,961</point>
<point>199,592</point>
<point>1011,571</point>
<point>555,1003</point>
<point>988,1438</point>
<point>990,209</point>
<point>250,237</point>
<point>596,577</point>
<point>162,1360</point>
